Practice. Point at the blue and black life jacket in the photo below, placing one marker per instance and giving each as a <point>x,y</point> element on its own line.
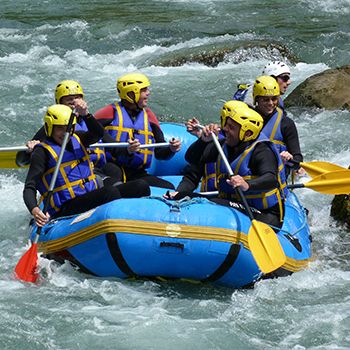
<point>75,176</point>
<point>123,127</point>
<point>240,166</point>
<point>209,180</point>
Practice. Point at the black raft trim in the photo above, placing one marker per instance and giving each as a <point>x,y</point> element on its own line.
<point>226,265</point>
<point>117,255</point>
<point>65,255</point>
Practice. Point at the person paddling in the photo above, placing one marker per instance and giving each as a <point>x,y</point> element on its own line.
<point>76,189</point>
<point>129,120</point>
<point>254,161</point>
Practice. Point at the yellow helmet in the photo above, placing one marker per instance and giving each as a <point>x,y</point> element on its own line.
<point>57,115</point>
<point>265,86</point>
<point>246,117</point>
<point>132,82</point>
<point>66,88</point>
<point>228,108</point>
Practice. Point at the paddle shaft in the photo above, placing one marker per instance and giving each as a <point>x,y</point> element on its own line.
<point>55,173</point>
<point>126,144</point>
<point>230,172</point>
<point>94,145</point>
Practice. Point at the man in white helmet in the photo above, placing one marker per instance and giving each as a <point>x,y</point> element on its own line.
<point>276,69</point>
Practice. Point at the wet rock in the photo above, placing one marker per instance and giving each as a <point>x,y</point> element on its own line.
<point>328,90</point>
<point>340,209</point>
<point>213,54</point>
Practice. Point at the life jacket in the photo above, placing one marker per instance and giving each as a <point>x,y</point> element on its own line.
<point>244,94</point>
<point>209,180</point>
<point>240,166</point>
<point>75,176</point>
<point>123,128</point>
<point>240,94</point>
<point>97,155</point>
<point>281,103</point>
<point>272,130</point>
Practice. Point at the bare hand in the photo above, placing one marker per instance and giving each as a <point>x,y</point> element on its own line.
<point>285,155</point>
<point>80,107</point>
<point>191,127</point>
<point>40,218</point>
<point>31,144</point>
<point>301,172</point>
<point>170,195</point>
<point>238,181</point>
<point>207,132</point>
<point>175,145</point>
<point>134,145</point>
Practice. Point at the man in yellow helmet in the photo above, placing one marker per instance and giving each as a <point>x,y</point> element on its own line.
<point>254,162</point>
<point>71,94</point>
<point>278,127</point>
<point>130,120</point>
<point>76,189</point>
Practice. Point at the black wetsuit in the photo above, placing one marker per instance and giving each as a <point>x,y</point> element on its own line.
<point>39,165</point>
<point>291,139</point>
<point>263,164</point>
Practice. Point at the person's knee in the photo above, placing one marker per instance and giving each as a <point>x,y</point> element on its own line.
<point>144,188</point>
<point>112,193</point>
<point>135,188</point>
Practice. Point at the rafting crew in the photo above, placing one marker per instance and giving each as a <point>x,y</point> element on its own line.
<point>277,70</point>
<point>255,162</point>
<point>278,127</point>
<point>130,120</point>
<point>76,189</point>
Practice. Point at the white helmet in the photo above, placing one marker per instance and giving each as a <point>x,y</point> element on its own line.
<point>275,69</point>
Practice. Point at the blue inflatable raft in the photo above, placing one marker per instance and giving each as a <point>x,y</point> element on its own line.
<point>151,237</point>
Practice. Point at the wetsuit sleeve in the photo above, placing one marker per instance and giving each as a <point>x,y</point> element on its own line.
<point>290,136</point>
<point>37,168</point>
<point>202,152</point>
<point>40,134</point>
<point>264,165</point>
<point>190,180</point>
<point>23,157</point>
<point>95,131</point>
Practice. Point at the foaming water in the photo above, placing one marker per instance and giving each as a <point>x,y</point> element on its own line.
<point>67,309</point>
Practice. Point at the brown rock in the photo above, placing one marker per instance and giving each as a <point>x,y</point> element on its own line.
<point>329,89</point>
<point>340,209</point>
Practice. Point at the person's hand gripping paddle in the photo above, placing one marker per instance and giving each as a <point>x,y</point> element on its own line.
<point>26,268</point>
<point>262,239</point>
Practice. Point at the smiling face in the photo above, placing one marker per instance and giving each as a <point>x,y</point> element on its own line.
<point>58,132</point>
<point>232,130</point>
<point>265,105</point>
<point>143,100</point>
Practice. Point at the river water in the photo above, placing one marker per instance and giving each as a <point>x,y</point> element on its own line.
<point>43,42</point>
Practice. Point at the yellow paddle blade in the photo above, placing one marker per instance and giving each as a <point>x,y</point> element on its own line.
<point>265,247</point>
<point>336,182</point>
<point>317,168</point>
<point>8,160</point>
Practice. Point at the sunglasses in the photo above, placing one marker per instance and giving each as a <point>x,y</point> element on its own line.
<point>285,77</point>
